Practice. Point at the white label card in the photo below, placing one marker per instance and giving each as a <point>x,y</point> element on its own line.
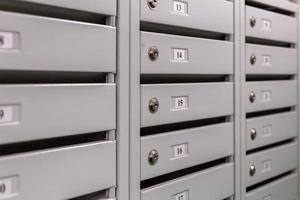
<point>267,166</point>
<point>6,114</point>
<point>267,60</point>
<point>269,197</point>
<point>266,25</point>
<point>181,196</point>
<point>180,150</point>
<point>5,188</point>
<point>266,96</point>
<point>180,55</point>
<point>267,131</point>
<point>180,103</point>
<point>180,7</point>
<point>6,40</point>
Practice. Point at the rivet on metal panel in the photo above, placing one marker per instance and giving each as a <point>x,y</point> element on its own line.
<point>153,105</point>
<point>153,157</point>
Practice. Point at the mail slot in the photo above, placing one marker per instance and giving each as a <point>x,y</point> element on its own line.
<point>57,45</point>
<point>285,188</point>
<point>108,7</point>
<point>270,60</point>
<point>266,95</point>
<point>284,5</point>
<point>271,129</point>
<point>185,55</point>
<point>213,184</point>
<point>61,173</point>
<point>270,25</point>
<point>33,111</point>
<point>193,14</point>
<point>185,148</point>
<point>270,163</point>
<point>170,103</point>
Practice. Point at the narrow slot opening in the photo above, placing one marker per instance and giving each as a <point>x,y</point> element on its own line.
<point>93,196</point>
<point>177,174</point>
<point>39,77</point>
<point>271,8</point>
<point>259,77</point>
<point>187,78</point>
<point>52,11</point>
<point>22,147</point>
<point>182,125</point>
<point>278,144</point>
<point>269,112</point>
<point>175,30</point>
<point>261,184</point>
<point>252,40</point>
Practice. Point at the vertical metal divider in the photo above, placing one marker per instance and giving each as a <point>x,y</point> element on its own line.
<point>237,99</point>
<point>242,114</point>
<point>122,81</point>
<point>298,91</point>
<point>134,106</point>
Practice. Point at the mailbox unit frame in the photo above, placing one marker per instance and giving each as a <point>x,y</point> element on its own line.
<point>242,143</point>
<point>135,97</point>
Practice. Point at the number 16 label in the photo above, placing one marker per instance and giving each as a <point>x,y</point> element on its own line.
<point>180,150</point>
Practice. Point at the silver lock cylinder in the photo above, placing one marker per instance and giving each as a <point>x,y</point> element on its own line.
<point>253,134</point>
<point>252,21</point>
<point>252,97</point>
<point>153,157</point>
<point>252,170</point>
<point>153,105</point>
<point>1,114</point>
<point>153,53</point>
<point>252,59</point>
<point>2,188</point>
<point>152,4</point>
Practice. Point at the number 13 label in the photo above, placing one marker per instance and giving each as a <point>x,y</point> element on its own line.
<point>180,7</point>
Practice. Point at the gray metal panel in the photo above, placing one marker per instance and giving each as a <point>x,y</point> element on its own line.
<point>196,144</point>
<point>202,101</point>
<point>271,129</point>
<point>271,60</point>
<point>282,27</point>
<point>44,111</point>
<point>271,94</point>
<point>107,7</point>
<point>271,162</point>
<point>58,45</point>
<point>283,4</point>
<point>200,55</point>
<point>123,105</point>
<point>282,189</point>
<point>61,173</point>
<point>198,14</point>
<point>213,184</point>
